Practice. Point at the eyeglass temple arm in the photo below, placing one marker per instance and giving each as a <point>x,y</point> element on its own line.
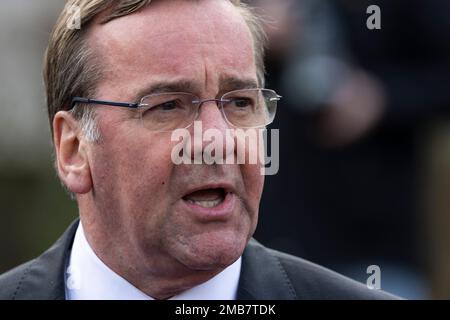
<point>102,102</point>
<point>277,98</point>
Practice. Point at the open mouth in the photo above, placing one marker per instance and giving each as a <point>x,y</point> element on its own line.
<point>207,198</point>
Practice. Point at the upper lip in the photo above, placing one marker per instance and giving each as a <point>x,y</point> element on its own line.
<point>227,187</point>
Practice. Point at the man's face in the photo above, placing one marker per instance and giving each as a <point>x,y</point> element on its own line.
<point>147,207</point>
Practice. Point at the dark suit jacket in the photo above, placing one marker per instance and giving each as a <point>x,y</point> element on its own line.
<point>265,274</point>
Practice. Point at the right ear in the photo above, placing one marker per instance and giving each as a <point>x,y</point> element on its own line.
<point>71,153</point>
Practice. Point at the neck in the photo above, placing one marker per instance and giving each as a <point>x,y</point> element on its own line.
<point>158,278</point>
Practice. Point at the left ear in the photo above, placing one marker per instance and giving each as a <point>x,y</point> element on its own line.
<point>71,153</point>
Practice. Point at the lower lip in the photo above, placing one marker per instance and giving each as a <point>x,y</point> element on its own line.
<point>220,212</point>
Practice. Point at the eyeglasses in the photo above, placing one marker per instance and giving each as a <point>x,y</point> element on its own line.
<point>246,108</point>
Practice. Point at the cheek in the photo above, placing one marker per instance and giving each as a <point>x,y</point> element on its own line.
<point>254,183</point>
<point>146,172</point>
<point>252,142</point>
<point>132,170</point>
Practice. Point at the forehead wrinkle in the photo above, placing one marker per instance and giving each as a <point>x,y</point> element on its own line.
<point>205,36</point>
<point>163,86</point>
<point>206,32</point>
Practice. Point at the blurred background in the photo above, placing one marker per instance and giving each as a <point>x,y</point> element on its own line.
<point>364,128</point>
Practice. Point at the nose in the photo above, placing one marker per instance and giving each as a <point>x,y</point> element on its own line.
<point>212,146</point>
<point>211,115</point>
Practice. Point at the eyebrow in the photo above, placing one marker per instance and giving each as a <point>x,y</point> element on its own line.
<point>167,86</point>
<point>234,83</point>
<point>226,84</point>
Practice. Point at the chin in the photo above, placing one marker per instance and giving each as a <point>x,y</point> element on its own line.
<point>213,250</point>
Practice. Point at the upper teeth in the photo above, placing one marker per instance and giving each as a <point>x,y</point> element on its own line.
<point>206,203</point>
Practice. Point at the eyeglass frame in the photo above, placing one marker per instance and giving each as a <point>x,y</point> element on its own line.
<point>200,102</point>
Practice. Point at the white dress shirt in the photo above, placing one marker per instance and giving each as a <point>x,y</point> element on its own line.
<point>88,278</point>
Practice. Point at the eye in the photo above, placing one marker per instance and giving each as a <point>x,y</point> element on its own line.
<point>165,109</point>
<point>167,106</point>
<point>241,103</point>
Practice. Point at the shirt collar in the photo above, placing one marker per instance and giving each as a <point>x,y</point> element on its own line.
<point>88,278</point>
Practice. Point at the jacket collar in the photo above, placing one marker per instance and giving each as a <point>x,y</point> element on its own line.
<point>262,276</point>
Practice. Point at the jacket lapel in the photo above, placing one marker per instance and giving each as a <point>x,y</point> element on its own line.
<point>262,276</point>
<point>44,277</point>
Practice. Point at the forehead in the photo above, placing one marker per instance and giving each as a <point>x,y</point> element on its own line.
<point>201,41</point>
